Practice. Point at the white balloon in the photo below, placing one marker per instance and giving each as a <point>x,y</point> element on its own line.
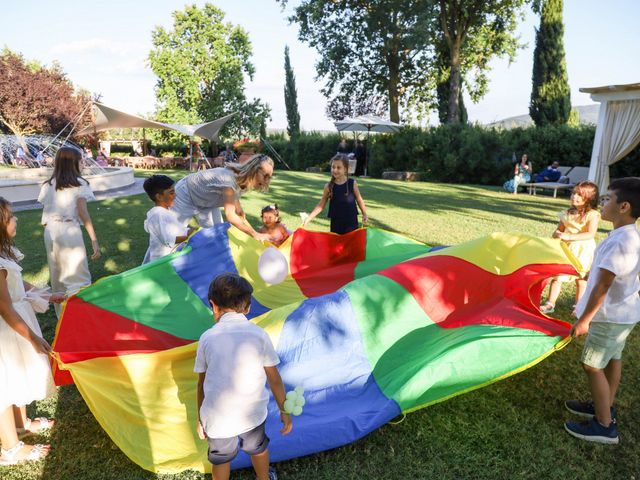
<point>289,405</point>
<point>273,266</point>
<point>291,395</point>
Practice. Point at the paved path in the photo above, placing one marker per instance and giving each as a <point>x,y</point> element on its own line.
<point>133,189</point>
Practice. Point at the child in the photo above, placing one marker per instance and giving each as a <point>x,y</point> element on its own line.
<point>608,312</point>
<point>162,225</point>
<point>343,194</point>
<point>64,198</point>
<point>578,227</point>
<point>25,375</point>
<point>232,400</point>
<point>272,225</point>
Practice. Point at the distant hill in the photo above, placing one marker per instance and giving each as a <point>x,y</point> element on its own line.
<point>588,114</point>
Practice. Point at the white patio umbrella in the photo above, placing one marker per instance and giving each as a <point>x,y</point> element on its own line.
<point>367,123</point>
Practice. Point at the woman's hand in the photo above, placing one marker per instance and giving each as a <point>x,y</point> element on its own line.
<point>57,298</point>
<point>365,219</point>
<point>96,250</point>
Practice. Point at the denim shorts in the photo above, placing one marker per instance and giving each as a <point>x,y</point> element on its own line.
<point>223,450</point>
<point>605,342</point>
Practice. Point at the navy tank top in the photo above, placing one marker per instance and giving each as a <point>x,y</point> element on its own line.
<point>342,205</point>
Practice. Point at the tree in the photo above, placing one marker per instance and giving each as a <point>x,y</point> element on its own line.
<point>550,95</point>
<point>381,47</point>
<point>443,86</point>
<point>291,98</point>
<point>343,106</point>
<point>473,32</point>
<point>37,99</point>
<point>201,63</point>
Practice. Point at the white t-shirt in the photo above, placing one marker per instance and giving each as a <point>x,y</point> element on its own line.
<point>620,254</point>
<point>163,227</point>
<point>233,354</point>
<point>62,205</point>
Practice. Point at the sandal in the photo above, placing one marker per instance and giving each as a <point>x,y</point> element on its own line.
<point>9,457</point>
<point>44,424</point>
<point>547,308</point>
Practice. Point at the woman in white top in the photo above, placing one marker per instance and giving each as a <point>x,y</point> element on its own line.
<point>202,194</point>
<point>64,197</point>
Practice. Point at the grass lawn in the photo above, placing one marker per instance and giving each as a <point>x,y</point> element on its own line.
<point>512,429</point>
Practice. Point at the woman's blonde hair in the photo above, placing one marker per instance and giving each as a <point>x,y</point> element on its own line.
<point>246,172</point>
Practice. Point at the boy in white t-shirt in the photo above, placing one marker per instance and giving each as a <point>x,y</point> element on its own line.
<point>235,359</point>
<point>162,225</point>
<point>608,311</point>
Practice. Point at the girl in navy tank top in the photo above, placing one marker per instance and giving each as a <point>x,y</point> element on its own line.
<point>343,195</point>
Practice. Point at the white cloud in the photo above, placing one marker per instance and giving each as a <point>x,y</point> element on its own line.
<point>97,46</point>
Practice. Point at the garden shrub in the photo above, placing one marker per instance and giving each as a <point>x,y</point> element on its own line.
<point>459,153</point>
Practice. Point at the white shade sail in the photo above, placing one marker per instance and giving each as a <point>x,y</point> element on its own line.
<point>107,118</point>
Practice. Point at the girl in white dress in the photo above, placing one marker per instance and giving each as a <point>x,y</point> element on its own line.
<point>25,374</point>
<point>64,197</point>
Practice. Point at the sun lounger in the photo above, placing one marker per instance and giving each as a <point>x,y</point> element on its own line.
<point>575,174</point>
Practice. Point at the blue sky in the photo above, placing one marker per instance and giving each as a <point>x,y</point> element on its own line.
<point>102,45</point>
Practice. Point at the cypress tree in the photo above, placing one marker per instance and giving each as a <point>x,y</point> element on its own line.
<point>291,98</point>
<point>550,95</point>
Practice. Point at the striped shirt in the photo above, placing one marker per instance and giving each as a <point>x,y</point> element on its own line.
<point>206,187</point>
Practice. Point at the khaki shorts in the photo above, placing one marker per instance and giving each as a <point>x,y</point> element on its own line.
<point>605,342</point>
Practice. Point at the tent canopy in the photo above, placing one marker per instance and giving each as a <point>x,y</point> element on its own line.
<point>618,129</point>
<point>107,118</point>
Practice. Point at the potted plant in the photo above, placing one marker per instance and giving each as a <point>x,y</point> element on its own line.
<point>247,146</point>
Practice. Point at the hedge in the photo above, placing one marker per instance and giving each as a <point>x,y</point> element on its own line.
<point>458,153</point>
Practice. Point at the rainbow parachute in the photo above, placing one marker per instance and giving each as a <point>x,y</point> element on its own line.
<point>371,324</point>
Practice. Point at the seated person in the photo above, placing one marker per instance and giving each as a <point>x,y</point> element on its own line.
<point>228,154</point>
<point>102,159</point>
<point>549,174</point>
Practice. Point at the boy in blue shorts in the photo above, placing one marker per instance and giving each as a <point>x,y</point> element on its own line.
<point>235,359</point>
<point>608,311</point>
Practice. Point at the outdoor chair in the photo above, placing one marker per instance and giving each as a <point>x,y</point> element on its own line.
<point>574,174</point>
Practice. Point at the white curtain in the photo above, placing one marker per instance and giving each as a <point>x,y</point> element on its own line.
<point>105,146</point>
<point>620,135</point>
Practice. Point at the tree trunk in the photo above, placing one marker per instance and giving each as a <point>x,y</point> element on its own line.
<point>393,62</point>
<point>454,84</point>
<point>18,134</point>
<point>394,110</point>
